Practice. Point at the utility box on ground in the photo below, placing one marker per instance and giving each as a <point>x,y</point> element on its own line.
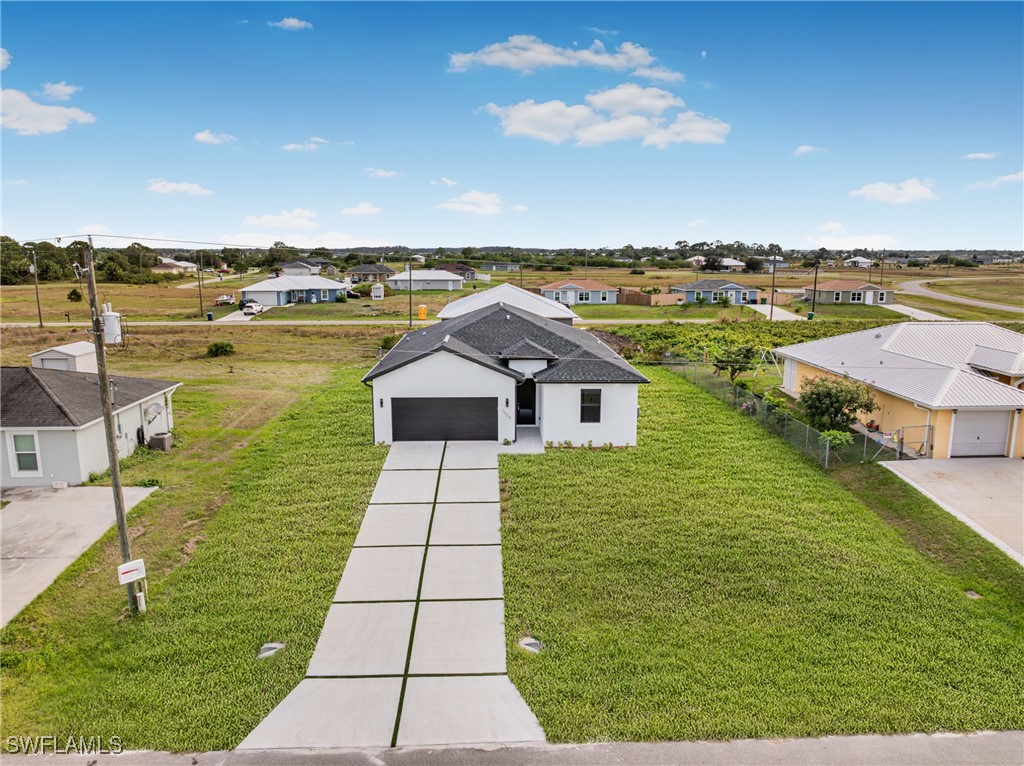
<point>161,442</point>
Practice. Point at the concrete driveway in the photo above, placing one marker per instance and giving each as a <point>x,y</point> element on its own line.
<point>986,494</point>
<point>779,314</point>
<point>44,530</point>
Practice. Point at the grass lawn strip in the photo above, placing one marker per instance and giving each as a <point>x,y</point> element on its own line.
<point>262,568</point>
<point>713,584</point>
<point>1008,288</point>
<point>959,311</point>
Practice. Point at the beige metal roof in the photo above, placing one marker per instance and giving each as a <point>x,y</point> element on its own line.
<point>926,362</point>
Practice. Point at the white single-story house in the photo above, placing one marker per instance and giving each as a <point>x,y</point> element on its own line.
<point>51,423</point>
<point>301,268</point>
<point>725,263</point>
<point>859,262</point>
<point>714,290</point>
<point>179,266</point>
<point>281,291</point>
<point>487,374</point>
<point>955,387</point>
<point>849,291</point>
<point>425,279</point>
<point>573,291</point>
<point>499,266</point>
<point>509,295</point>
<point>76,357</point>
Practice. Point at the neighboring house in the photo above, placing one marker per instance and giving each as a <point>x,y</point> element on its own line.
<point>425,279</point>
<point>714,289</point>
<point>52,423</point>
<point>370,272</point>
<point>175,267</point>
<point>418,258</point>
<point>848,291</point>
<point>483,375</point>
<point>75,357</point>
<point>281,291</point>
<point>573,291</point>
<point>168,268</point>
<point>301,268</point>
<point>499,266</point>
<point>468,273</point>
<point>725,264</point>
<point>963,379</point>
<point>509,295</point>
<point>859,262</point>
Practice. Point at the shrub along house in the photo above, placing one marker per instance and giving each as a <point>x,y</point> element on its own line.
<point>52,423</point>
<point>573,291</point>
<point>960,381</point>
<point>483,375</point>
<point>713,290</point>
<point>281,291</point>
<point>849,291</point>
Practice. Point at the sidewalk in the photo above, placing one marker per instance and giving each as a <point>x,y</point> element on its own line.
<point>778,315</point>
<point>924,316</point>
<point>413,648</point>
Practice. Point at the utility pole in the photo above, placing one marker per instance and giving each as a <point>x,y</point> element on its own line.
<point>202,311</point>
<point>881,272</point>
<point>35,273</point>
<point>408,270</point>
<point>771,310</point>
<point>814,295</point>
<point>108,426</point>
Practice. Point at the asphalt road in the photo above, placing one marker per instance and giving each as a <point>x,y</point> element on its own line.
<point>916,287</point>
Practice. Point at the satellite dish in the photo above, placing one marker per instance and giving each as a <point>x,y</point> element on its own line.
<point>152,411</point>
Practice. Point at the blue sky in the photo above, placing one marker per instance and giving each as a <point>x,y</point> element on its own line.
<point>880,125</point>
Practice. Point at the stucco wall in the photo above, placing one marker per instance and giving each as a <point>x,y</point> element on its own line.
<point>443,375</point>
<point>58,459</point>
<point>559,414</point>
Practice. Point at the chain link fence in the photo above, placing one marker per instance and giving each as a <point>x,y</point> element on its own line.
<point>866,446</point>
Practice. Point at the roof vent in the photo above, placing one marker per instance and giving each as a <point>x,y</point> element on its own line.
<point>446,338</point>
<point>508,316</point>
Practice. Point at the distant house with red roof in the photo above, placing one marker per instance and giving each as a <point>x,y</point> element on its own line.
<point>573,291</point>
<point>849,291</point>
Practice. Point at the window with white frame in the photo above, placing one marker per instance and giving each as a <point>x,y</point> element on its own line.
<point>604,296</point>
<point>856,297</point>
<point>583,296</point>
<point>716,295</point>
<point>881,296</point>
<point>323,295</point>
<point>837,297</point>
<point>25,455</point>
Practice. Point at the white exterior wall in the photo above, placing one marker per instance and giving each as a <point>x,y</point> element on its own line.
<point>528,366</point>
<point>445,375</point>
<point>57,456</point>
<point>58,360</point>
<point>425,284</point>
<point>558,407</point>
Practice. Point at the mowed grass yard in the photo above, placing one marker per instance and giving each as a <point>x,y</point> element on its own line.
<point>959,311</point>
<point>244,543</point>
<point>1009,288</point>
<point>712,583</point>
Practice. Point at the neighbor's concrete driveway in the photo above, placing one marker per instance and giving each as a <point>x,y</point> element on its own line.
<point>987,494</point>
<point>44,530</point>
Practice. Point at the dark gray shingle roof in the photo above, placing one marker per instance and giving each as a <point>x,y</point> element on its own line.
<point>711,284</point>
<point>32,397</point>
<point>486,335</point>
<point>371,268</point>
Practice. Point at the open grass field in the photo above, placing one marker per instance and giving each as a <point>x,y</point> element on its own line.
<point>691,311</point>
<point>245,541</point>
<point>1006,289</point>
<point>957,310</point>
<point>712,583</point>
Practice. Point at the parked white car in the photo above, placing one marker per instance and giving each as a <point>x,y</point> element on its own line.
<point>252,309</point>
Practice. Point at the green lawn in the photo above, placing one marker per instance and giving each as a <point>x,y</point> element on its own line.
<point>842,310</point>
<point>957,310</point>
<point>712,583</point>
<point>1004,289</point>
<point>623,311</point>
<point>244,544</point>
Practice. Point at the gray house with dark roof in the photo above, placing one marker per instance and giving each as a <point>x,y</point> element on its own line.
<point>370,272</point>
<point>51,423</point>
<point>714,290</point>
<point>488,374</point>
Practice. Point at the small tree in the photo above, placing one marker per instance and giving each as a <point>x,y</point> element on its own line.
<point>833,403</point>
<point>701,300</point>
<point>735,360</point>
<point>724,301</point>
<point>75,295</point>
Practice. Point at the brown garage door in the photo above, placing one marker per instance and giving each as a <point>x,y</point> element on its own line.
<point>438,419</point>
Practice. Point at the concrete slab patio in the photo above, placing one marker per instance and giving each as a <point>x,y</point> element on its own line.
<point>987,494</point>
<point>412,651</point>
<point>44,530</point>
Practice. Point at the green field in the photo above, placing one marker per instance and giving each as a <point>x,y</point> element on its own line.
<point>1007,289</point>
<point>713,584</point>
<point>842,310</point>
<point>687,311</point>
<point>957,310</point>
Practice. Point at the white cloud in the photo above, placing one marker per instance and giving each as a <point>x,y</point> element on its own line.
<point>5,59</point>
<point>911,190</point>
<point>95,229</point>
<point>379,173</point>
<point>804,149</point>
<point>363,208</point>
<point>444,181</point>
<point>59,91</point>
<point>160,186</point>
<point>981,156</point>
<point>290,23</point>
<point>695,223</point>
<point>17,182</point>
<point>292,220</point>
<point>528,53</point>
<point>519,208</point>
<point>833,235</point>
<point>998,181</point>
<point>473,201</point>
<point>310,145</point>
<point>209,137</point>
<point>332,239</point>
<point>703,54</point>
<point>30,118</point>
<point>615,114</point>
<point>599,31</point>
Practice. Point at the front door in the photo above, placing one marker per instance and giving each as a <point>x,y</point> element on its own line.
<point>526,403</point>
